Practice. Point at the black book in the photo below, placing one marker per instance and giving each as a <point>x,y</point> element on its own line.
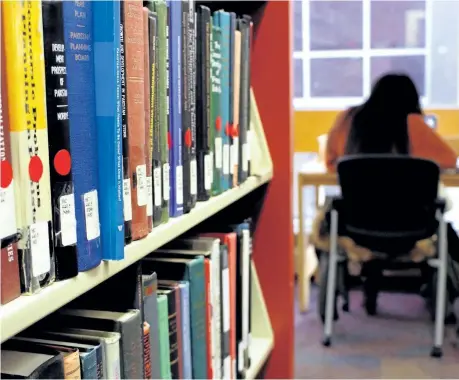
<point>154,117</point>
<point>124,122</point>
<point>62,196</point>
<point>233,140</point>
<point>205,167</point>
<point>192,103</point>
<point>244,99</point>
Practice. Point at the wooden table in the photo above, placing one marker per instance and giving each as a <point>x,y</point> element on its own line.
<point>327,179</point>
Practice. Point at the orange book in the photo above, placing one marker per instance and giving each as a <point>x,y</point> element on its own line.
<point>146,350</point>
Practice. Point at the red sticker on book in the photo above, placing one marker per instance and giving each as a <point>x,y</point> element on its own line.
<point>188,138</point>
<point>235,131</point>
<point>62,162</point>
<point>6,174</point>
<point>218,124</point>
<point>35,169</point>
<point>169,140</point>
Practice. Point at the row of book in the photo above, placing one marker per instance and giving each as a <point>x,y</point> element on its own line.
<point>183,312</point>
<point>116,115</point>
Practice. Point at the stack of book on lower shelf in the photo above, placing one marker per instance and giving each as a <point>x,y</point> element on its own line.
<point>183,312</point>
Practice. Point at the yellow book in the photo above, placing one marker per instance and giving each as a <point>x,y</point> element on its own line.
<point>23,34</point>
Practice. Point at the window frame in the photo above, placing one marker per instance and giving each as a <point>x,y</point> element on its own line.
<point>307,102</point>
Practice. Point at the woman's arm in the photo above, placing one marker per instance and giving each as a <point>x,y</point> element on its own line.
<point>336,140</point>
<point>426,143</point>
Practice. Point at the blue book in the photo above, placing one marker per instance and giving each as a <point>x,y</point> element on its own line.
<point>79,56</point>
<point>186,329</point>
<point>175,115</point>
<point>106,32</point>
<point>223,20</point>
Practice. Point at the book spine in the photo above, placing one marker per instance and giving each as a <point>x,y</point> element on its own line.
<point>225,312</point>
<point>244,117</point>
<point>88,365</point>
<point>146,351</point>
<point>100,363</point>
<point>135,78</point>
<point>179,325</point>
<point>163,102</point>
<point>127,197</point>
<point>185,98</point>
<point>63,200</point>
<point>132,347</point>
<point>106,31</point>
<point>215,108</point>
<point>10,285</point>
<point>235,148</point>
<point>79,56</point>
<point>203,152</point>
<point>230,129</point>
<point>164,345</point>
<point>25,73</point>
<point>247,89</point>
<point>186,330</point>
<point>155,120</point>
<point>72,366</point>
<point>173,338</point>
<point>175,117</point>
<point>148,119</point>
<point>216,302</point>
<point>210,337</point>
<point>191,69</point>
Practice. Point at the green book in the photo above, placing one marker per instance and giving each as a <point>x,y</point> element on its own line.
<point>216,143</point>
<point>164,347</point>
<point>160,7</point>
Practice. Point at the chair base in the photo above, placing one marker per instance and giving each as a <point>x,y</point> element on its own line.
<point>326,342</point>
<point>436,352</point>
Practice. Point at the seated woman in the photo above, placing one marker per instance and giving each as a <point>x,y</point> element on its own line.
<point>390,121</point>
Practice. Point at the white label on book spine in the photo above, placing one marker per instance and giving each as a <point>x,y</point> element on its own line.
<point>179,185</point>
<point>227,368</point>
<point>68,220</point>
<point>157,186</point>
<point>127,206</point>
<point>208,171</point>
<point>150,196</point>
<point>39,247</point>
<point>245,161</point>
<point>226,159</point>
<point>91,211</point>
<point>7,211</point>
<point>166,181</point>
<point>235,152</point>
<point>240,353</point>
<point>218,152</point>
<point>193,177</point>
<point>142,191</point>
<point>226,299</point>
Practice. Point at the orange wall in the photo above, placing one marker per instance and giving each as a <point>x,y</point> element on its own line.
<point>310,124</point>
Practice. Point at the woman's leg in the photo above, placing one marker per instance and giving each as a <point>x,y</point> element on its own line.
<point>372,276</point>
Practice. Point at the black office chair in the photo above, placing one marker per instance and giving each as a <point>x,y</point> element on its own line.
<point>387,204</point>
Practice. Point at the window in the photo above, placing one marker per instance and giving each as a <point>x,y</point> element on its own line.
<point>342,47</point>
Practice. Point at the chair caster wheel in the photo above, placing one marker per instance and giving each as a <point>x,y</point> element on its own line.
<point>346,307</point>
<point>436,352</point>
<point>326,342</point>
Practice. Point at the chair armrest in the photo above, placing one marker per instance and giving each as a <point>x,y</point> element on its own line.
<point>440,204</point>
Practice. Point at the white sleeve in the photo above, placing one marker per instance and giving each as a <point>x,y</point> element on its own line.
<point>443,195</point>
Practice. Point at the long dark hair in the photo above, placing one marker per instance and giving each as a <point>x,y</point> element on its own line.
<point>380,124</point>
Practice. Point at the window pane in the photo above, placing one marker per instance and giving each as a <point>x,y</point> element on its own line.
<point>336,77</point>
<point>414,66</point>
<point>298,89</point>
<point>335,25</point>
<point>297,25</point>
<point>397,24</point>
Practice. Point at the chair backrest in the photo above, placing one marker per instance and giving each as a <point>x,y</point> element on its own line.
<point>388,195</point>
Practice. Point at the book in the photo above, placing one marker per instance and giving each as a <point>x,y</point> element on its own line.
<point>216,143</point>
<point>146,351</point>
<point>10,286</point>
<point>60,158</point>
<point>232,138</point>
<point>203,120</point>
<point>22,26</point>
<point>222,19</point>
<point>175,116</point>
<point>135,79</point>
<point>106,34</point>
<point>42,363</point>
<point>79,55</point>
<point>192,270</point>
<point>127,196</point>
<point>148,118</point>
<point>235,147</point>
<point>164,345</point>
<point>186,329</point>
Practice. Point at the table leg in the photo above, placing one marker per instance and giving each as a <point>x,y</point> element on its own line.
<point>303,280</point>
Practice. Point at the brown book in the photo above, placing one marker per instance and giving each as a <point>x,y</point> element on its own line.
<point>135,80</point>
<point>146,350</point>
<point>148,120</point>
<point>71,361</point>
<point>9,276</point>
